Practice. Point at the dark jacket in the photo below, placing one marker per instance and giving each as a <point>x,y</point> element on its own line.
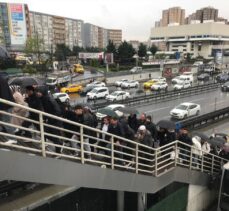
<point>115,130</point>
<point>147,139</point>
<point>133,122</point>
<point>151,127</point>
<point>184,138</point>
<point>5,94</point>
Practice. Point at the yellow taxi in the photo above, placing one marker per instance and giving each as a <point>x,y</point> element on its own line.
<point>149,83</point>
<point>78,68</point>
<point>72,88</point>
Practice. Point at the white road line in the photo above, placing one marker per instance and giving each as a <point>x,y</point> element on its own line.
<point>196,100</point>
<point>158,109</point>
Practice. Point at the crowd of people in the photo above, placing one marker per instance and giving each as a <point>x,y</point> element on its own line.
<point>140,129</point>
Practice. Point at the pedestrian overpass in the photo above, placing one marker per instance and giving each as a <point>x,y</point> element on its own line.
<point>130,166</point>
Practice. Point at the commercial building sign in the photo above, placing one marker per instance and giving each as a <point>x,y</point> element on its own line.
<point>17,24</point>
<point>98,56</point>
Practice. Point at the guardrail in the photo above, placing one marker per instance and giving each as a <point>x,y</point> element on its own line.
<point>205,119</point>
<point>161,96</point>
<point>110,151</point>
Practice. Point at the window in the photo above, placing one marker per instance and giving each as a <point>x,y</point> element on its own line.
<point>199,47</point>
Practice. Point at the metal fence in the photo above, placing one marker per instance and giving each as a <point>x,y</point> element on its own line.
<point>54,140</point>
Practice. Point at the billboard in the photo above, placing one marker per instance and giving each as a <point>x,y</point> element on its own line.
<point>98,56</point>
<point>17,24</point>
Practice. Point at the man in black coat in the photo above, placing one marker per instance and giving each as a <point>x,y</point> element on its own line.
<point>5,94</point>
<point>151,127</point>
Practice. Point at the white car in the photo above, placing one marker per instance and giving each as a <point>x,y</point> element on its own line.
<point>113,107</point>
<point>185,110</point>
<point>136,69</point>
<point>98,92</point>
<point>182,85</point>
<point>118,95</point>
<point>130,84</point>
<point>176,80</point>
<point>119,83</point>
<point>63,97</point>
<point>97,84</point>
<point>159,86</point>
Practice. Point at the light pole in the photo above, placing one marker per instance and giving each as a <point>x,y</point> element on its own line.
<point>136,57</point>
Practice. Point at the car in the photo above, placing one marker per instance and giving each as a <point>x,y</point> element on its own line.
<point>136,69</point>
<point>225,87</point>
<point>222,78</point>
<point>209,69</point>
<point>118,95</point>
<point>130,84</point>
<point>203,77</point>
<point>149,83</point>
<point>72,88</point>
<point>176,80</point>
<point>97,84</point>
<point>119,83</point>
<point>98,92</point>
<point>198,63</point>
<point>113,107</point>
<point>187,76</point>
<point>63,97</point>
<point>185,110</point>
<point>159,86</point>
<point>86,90</point>
<point>182,85</point>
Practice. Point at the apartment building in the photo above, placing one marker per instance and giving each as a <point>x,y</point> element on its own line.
<point>115,35</point>
<point>171,16</point>
<point>91,35</point>
<point>103,38</point>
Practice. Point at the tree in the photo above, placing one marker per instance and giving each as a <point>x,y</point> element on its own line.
<point>76,50</point>
<point>34,45</point>
<point>62,51</point>
<point>112,49</point>
<point>126,52</point>
<point>142,50</point>
<point>153,49</point>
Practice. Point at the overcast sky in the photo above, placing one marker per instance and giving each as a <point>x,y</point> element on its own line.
<point>134,17</point>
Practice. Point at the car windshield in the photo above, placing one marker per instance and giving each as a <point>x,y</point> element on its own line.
<point>93,90</point>
<point>49,80</point>
<point>114,93</point>
<point>182,107</point>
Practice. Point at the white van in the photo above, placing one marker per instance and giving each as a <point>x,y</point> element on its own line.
<point>187,76</point>
<point>98,92</point>
<point>136,69</point>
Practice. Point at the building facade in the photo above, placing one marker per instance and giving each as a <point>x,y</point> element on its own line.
<point>115,35</point>
<point>91,35</point>
<point>14,26</point>
<point>207,13</point>
<point>103,38</point>
<point>203,39</point>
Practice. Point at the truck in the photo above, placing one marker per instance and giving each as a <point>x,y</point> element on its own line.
<point>58,78</point>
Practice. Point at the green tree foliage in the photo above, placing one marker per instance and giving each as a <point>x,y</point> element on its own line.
<point>62,52</point>
<point>142,50</point>
<point>153,49</point>
<point>76,50</point>
<point>126,52</point>
<point>93,49</point>
<point>34,45</point>
<point>111,48</point>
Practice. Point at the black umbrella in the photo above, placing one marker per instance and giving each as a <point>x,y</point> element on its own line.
<point>201,135</point>
<point>216,141</point>
<point>128,110</point>
<point>26,81</point>
<point>222,135</point>
<point>108,112</point>
<point>166,124</point>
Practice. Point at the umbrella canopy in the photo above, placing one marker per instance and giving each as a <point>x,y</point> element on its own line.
<point>201,135</point>
<point>128,110</point>
<point>108,112</point>
<point>26,81</point>
<point>222,135</point>
<point>166,124</point>
<point>217,141</point>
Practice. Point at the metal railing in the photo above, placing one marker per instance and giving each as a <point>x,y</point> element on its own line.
<point>162,96</point>
<point>88,145</point>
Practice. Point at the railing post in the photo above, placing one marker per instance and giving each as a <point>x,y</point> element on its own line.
<point>41,121</point>
<point>176,155</point>
<point>82,144</point>
<point>190,164</point>
<point>156,162</point>
<point>213,160</point>
<point>136,158</point>
<point>202,162</point>
<point>112,152</point>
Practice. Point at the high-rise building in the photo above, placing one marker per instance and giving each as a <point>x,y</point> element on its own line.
<point>14,26</point>
<point>103,38</point>
<point>207,13</point>
<point>115,35</point>
<point>173,15</point>
<point>91,35</point>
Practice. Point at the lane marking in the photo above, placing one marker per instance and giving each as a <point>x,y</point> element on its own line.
<point>158,109</point>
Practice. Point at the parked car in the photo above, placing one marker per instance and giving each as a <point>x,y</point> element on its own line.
<point>149,83</point>
<point>113,107</point>
<point>225,87</point>
<point>159,86</point>
<point>182,85</point>
<point>187,76</point>
<point>98,92</point>
<point>63,97</point>
<point>198,63</point>
<point>119,83</point>
<point>203,77</point>
<point>136,69</point>
<point>209,69</point>
<point>72,88</point>
<point>97,84</point>
<point>118,95</point>
<point>176,80</point>
<point>87,89</point>
<point>185,110</point>
<point>223,77</point>
<point>130,84</point>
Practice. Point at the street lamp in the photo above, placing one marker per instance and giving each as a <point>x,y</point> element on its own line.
<point>225,167</point>
<point>136,57</point>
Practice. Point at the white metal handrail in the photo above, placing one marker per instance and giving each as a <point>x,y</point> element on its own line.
<point>130,155</point>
